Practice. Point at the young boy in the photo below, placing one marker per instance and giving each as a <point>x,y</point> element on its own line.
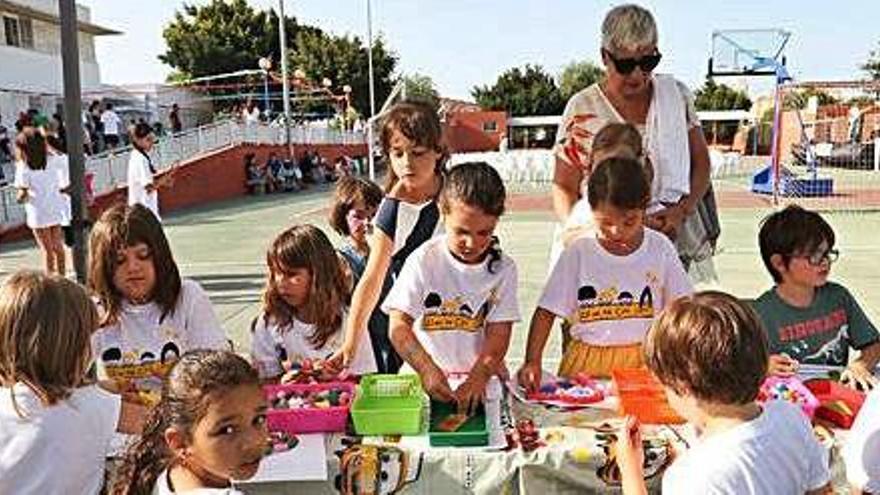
<point>810,320</point>
<point>710,353</point>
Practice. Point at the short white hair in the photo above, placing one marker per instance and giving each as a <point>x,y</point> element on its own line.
<point>628,27</point>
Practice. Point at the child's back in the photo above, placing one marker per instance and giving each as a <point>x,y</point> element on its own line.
<point>775,453</point>
<point>55,449</point>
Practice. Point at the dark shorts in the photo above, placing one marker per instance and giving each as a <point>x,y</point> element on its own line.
<point>111,140</point>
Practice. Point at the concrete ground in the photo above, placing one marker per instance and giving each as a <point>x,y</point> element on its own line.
<point>222,246</point>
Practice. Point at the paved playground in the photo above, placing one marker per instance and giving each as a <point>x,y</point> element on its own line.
<point>222,246</point>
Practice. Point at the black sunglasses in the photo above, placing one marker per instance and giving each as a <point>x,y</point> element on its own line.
<point>626,65</point>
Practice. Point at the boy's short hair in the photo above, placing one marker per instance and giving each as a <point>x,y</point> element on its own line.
<point>351,191</point>
<point>790,232</point>
<point>710,346</point>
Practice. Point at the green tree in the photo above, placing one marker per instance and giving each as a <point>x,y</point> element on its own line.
<point>421,87</point>
<point>527,91</point>
<point>344,60</point>
<point>577,76</point>
<point>714,96</point>
<point>872,65</point>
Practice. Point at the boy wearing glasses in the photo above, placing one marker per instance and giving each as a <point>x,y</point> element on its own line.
<point>810,320</point>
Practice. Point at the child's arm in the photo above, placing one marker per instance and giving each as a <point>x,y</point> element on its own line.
<point>631,458</point>
<point>22,195</point>
<point>364,298</point>
<point>860,372</point>
<point>407,345</point>
<point>470,393</point>
<point>131,417</point>
<point>529,375</point>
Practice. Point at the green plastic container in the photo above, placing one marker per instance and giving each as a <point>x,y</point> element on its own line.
<point>388,405</point>
<point>472,433</point>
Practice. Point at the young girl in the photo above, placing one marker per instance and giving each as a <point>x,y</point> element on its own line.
<point>208,430</point>
<point>454,304</point>
<point>304,305</point>
<point>408,216</point>
<point>57,160</point>
<point>609,286</point>
<point>143,186</point>
<point>40,191</point>
<point>55,429</point>
<point>149,316</point>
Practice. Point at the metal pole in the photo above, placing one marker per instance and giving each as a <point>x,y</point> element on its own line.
<point>266,93</point>
<point>372,92</point>
<point>73,123</point>
<point>284,78</point>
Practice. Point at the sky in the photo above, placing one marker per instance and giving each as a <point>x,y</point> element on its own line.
<point>464,43</point>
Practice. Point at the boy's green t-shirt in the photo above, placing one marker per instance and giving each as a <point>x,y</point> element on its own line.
<point>821,333</point>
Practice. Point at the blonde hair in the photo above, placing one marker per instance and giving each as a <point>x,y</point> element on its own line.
<point>628,27</point>
<point>46,325</point>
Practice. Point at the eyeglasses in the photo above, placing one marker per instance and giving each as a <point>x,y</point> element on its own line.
<point>817,258</point>
<point>626,65</point>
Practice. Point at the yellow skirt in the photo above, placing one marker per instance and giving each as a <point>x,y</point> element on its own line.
<point>598,361</point>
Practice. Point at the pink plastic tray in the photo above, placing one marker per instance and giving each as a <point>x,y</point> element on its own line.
<point>799,394</point>
<point>308,420</point>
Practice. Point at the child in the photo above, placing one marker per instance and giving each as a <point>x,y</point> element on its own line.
<point>304,305</point>
<point>861,452</point>
<point>453,306</point>
<point>149,316</point>
<point>408,216</point>
<point>810,320</point>
<point>143,185</point>
<point>208,430</point>
<point>609,286</point>
<point>40,191</point>
<point>354,206</point>
<point>55,429</point>
<point>710,353</point>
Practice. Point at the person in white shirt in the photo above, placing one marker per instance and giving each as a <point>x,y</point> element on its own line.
<point>710,353</point>
<point>143,183</point>
<point>304,306</point>
<point>609,285</point>
<point>208,431</point>
<point>113,126</point>
<point>454,304</point>
<point>150,316</point>
<point>55,429</point>
<point>58,161</point>
<point>40,191</point>
<point>861,453</point>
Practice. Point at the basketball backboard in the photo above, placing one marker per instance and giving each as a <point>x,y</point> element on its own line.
<point>747,52</point>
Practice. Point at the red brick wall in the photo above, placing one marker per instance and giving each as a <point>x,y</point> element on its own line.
<point>213,177</point>
<point>464,131</point>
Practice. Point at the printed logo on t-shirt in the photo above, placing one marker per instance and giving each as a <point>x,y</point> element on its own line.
<point>140,371</point>
<point>612,304</point>
<point>455,313</point>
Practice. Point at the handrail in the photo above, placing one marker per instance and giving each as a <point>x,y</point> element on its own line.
<point>109,169</point>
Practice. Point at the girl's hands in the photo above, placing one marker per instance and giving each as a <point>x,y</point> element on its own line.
<point>435,383</point>
<point>529,376</point>
<point>470,394</point>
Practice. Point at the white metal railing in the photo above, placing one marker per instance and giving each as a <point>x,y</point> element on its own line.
<point>109,169</point>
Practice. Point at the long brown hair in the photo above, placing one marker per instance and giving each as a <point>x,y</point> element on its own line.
<point>124,226</point>
<point>46,325</point>
<point>350,192</point>
<point>419,123</point>
<point>306,246</point>
<point>32,146</point>
<point>191,384</point>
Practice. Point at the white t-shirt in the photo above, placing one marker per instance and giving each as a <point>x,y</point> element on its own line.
<point>609,299</point>
<point>452,302</point>
<point>774,454</point>
<point>111,122</point>
<point>139,177</point>
<point>59,449</point>
<point>61,166</point>
<point>163,487</point>
<point>44,206</point>
<point>861,453</point>
<point>271,343</point>
<point>139,350</point>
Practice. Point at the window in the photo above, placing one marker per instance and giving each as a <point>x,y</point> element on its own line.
<point>490,126</point>
<point>19,32</point>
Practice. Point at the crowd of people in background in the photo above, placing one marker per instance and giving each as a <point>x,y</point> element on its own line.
<point>287,175</point>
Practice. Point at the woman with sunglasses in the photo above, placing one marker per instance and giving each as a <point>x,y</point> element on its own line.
<point>660,107</point>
